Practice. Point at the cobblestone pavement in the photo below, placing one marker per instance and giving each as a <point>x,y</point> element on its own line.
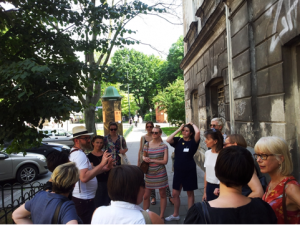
<point>133,141</point>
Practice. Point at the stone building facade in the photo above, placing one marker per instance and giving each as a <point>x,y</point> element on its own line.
<point>261,67</point>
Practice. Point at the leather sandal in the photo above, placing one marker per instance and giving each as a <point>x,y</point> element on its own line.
<point>153,201</point>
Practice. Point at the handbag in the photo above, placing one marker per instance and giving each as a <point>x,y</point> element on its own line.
<point>202,209</point>
<point>284,201</point>
<point>124,158</point>
<point>144,165</point>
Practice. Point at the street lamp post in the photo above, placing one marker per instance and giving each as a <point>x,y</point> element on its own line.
<point>150,113</point>
<point>128,96</point>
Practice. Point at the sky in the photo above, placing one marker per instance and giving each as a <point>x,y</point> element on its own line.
<point>156,31</point>
<point>153,30</point>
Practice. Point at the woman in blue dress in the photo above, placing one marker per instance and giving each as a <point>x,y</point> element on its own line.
<point>185,173</point>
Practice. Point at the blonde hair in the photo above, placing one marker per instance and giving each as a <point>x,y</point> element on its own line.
<point>278,147</point>
<point>64,177</point>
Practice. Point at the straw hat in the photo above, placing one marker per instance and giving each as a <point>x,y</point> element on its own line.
<point>79,131</point>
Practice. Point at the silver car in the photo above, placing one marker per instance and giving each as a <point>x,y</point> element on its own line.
<point>60,136</point>
<point>23,168</point>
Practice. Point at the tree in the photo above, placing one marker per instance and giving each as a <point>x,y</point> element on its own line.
<point>39,68</point>
<point>170,70</point>
<point>142,75</point>
<point>172,100</point>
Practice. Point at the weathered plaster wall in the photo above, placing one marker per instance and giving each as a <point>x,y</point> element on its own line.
<point>266,71</point>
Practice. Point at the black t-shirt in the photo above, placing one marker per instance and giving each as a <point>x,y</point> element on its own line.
<point>256,212</point>
<point>184,160</point>
<point>96,160</point>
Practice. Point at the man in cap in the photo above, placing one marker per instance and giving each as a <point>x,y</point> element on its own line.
<point>85,189</point>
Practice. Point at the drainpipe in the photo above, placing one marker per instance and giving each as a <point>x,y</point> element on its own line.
<point>230,78</point>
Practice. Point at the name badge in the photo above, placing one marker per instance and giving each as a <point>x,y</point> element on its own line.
<point>186,150</point>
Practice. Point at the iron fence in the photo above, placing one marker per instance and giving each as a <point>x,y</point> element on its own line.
<point>14,195</point>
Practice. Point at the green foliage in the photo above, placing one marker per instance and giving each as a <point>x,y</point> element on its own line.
<point>39,69</point>
<point>148,117</point>
<point>142,75</point>
<point>170,69</point>
<point>172,99</point>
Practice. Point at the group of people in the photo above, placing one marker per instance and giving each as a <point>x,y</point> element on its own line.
<point>136,119</point>
<point>105,192</point>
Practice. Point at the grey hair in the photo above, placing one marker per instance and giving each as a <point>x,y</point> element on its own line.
<point>219,120</point>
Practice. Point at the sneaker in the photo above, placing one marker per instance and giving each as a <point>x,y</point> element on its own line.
<point>171,218</point>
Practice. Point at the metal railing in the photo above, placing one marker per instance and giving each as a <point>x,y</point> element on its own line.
<point>14,195</point>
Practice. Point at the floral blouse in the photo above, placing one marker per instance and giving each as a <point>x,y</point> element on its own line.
<point>275,201</point>
<point>114,147</point>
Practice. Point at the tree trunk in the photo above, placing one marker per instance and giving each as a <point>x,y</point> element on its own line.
<point>89,115</point>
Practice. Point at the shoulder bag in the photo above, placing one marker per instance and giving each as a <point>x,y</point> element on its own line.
<point>203,210</point>
<point>124,158</point>
<point>56,213</point>
<point>146,217</point>
<point>284,201</point>
<point>144,165</point>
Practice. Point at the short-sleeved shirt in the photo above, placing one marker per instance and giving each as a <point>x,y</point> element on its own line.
<point>209,164</point>
<point>42,208</point>
<point>84,190</point>
<point>96,160</point>
<point>184,160</point>
<point>114,147</point>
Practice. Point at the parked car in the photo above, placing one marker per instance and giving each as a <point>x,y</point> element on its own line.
<point>60,136</point>
<point>46,148</point>
<point>23,168</point>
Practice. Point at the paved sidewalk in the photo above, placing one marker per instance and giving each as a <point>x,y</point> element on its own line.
<point>133,142</point>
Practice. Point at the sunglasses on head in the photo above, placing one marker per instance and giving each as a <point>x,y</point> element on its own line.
<point>113,129</point>
<point>154,132</point>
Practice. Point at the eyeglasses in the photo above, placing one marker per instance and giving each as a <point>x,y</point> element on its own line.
<point>262,156</point>
<point>154,132</point>
<point>86,138</point>
<point>113,129</point>
<point>149,127</point>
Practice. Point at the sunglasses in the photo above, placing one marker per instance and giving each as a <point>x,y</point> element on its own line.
<point>213,125</point>
<point>113,129</point>
<point>86,138</point>
<point>149,127</point>
<point>154,132</point>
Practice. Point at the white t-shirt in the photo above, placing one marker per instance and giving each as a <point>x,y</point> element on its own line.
<point>209,164</point>
<point>118,213</point>
<point>88,189</point>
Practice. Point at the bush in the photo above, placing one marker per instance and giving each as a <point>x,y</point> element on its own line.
<point>148,117</point>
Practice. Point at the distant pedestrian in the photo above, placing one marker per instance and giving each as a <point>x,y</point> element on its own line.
<point>185,171</point>
<point>85,189</point>
<point>130,120</point>
<point>214,141</point>
<point>140,119</point>
<point>126,188</point>
<point>234,168</point>
<point>135,120</point>
<point>115,144</point>
<point>155,153</point>
<point>42,208</point>
<point>283,192</point>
